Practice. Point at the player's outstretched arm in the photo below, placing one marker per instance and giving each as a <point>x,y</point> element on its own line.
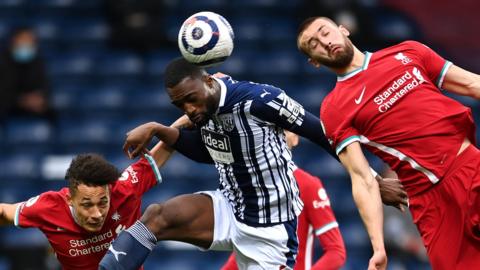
<point>161,152</point>
<point>366,195</point>
<point>139,137</point>
<point>7,213</point>
<point>462,82</point>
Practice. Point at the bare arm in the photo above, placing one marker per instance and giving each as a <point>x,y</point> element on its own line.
<point>462,82</point>
<point>161,152</point>
<point>7,213</point>
<point>366,195</point>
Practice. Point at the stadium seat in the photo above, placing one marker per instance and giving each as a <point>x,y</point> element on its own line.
<point>19,166</point>
<point>156,62</point>
<point>28,131</point>
<point>119,64</point>
<point>72,63</point>
<point>86,131</point>
<point>84,31</point>
<point>23,238</point>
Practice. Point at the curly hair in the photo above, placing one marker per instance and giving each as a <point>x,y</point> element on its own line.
<point>91,170</point>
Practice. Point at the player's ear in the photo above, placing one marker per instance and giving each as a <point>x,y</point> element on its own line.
<point>69,198</point>
<point>314,62</point>
<point>344,30</point>
<point>208,79</point>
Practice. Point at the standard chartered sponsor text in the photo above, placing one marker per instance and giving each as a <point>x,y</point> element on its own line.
<point>77,245</point>
<point>397,90</point>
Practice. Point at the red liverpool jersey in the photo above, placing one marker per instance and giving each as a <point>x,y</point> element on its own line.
<point>393,104</point>
<point>316,218</point>
<point>76,248</point>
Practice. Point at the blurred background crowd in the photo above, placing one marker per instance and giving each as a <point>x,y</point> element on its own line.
<point>75,75</point>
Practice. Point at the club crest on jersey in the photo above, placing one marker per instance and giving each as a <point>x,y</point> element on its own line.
<point>218,145</point>
<point>226,121</point>
<point>403,58</point>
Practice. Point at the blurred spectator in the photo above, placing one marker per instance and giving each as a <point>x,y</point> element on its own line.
<point>137,24</point>
<point>24,84</point>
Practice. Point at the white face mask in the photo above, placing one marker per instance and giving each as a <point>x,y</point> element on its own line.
<point>24,53</point>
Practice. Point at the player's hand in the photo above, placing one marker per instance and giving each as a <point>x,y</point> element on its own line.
<point>378,261</point>
<point>138,139</point>
<point>392,193</point>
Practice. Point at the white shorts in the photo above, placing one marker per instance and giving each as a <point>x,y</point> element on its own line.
<point>255,248</point>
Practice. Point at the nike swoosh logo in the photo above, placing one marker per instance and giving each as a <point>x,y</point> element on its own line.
<point>359,99</point>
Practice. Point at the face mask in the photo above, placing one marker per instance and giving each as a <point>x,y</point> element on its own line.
<point>24,53</point>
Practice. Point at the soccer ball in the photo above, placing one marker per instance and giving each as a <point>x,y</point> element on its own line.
<point>206,39</point>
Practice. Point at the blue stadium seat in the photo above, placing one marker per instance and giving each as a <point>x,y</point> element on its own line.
<point>23,238</point>
<point>280,63</point>
<point>85,31</point>
<point>28,131</point>
<point>394,26</point>
<point>238,64</point>
<point>152,97</point>
<point>86,131</point>
<point>11,3</point>
<point>104,97</point>
<point>48,28</point>
<point>19,166</point>
<point>119,64</point>
<point>72,63</point>
<point>156,62</point>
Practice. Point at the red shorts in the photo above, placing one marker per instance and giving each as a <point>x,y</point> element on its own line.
<point>448,215</point>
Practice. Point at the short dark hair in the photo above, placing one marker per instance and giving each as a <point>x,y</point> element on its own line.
<point>91,170</point>
<point>179,69</point>
<point>306,23</point>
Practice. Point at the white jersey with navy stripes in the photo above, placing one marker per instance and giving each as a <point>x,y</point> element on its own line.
<point>251,154</point>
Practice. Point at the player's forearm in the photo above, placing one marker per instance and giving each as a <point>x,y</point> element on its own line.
<point>462,82</point>
<point>168,135</point>
<point>366,195</point>
<point>330,260</point>
<point>161,152</point>
<point>334,253</point>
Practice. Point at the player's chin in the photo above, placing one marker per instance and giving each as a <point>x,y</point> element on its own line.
<point>93,227</point>
<point>200,121</point>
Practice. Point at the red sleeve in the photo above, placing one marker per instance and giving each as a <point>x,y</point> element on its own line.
<point>231,264</point>
<point>334,253</point>
<point>337,127</point>
<point>31,212</point>
<point>434,65</point>
<point>140,176</point>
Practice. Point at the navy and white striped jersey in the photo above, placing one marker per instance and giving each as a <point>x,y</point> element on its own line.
<point>246,141</point>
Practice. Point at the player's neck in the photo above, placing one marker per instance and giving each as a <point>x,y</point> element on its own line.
<point>357,62</point>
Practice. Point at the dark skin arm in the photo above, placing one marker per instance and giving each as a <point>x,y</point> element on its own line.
<point>139,137</point>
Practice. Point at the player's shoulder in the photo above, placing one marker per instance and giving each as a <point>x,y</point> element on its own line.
<point>404,46</point>
<point>52,198</point>
<point>306,181</point>
<point>45,204</point>
<point>247,90</point>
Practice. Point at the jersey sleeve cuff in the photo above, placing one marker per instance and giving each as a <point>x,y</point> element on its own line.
<point>16,220</point>
<point>155,169</point>
<point>346,142</point>
<point>325,228</point>
<point>441,77</point>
